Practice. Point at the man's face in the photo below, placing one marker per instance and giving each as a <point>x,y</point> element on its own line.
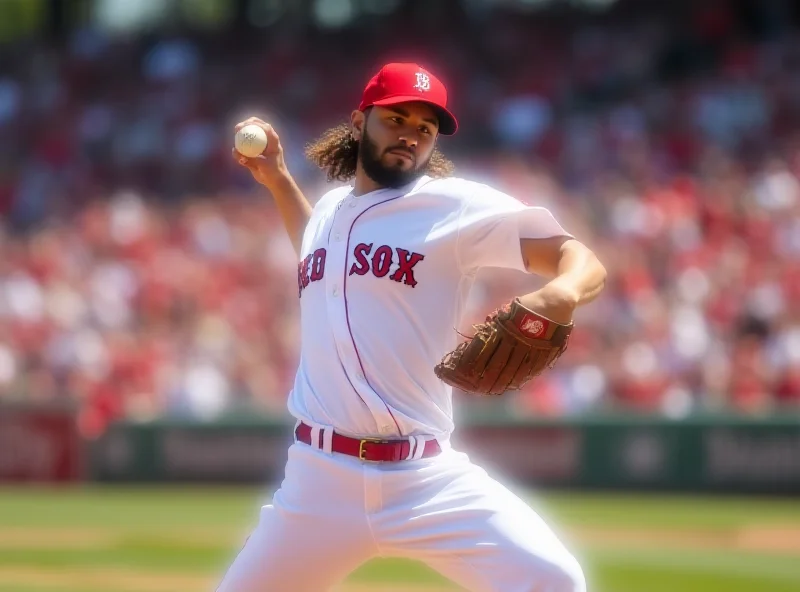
<point>397,142</point>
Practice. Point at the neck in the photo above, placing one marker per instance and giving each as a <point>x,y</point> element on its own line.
<point>363,184</point>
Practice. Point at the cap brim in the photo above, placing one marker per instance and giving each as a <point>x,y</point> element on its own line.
<point>448,125</point>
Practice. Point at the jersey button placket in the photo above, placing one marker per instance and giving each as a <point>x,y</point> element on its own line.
<point>338,307</point>
<point>337,259</point>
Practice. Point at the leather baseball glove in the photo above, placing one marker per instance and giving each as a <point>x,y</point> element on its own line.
<point>513,346</point>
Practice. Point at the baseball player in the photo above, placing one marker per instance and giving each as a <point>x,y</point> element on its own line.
<point>385,267</point>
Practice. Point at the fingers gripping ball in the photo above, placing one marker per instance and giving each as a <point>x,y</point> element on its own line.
<point>250,141</point>
<point>511,348</point>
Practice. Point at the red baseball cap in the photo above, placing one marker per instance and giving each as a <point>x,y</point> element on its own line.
<point>402,83</point>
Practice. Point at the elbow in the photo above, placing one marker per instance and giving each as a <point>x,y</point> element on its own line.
<point>578,259</point>
<point>602,274</point>
<point>594,275</point>
<point>591,262</point>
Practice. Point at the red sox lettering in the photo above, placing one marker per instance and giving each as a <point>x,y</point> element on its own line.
<point>310,269</point>
<point>381,262</point>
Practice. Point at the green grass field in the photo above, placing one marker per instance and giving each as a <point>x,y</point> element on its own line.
<point>181,539</point>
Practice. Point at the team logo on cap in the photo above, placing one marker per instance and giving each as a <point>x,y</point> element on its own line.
<point>423,82</point>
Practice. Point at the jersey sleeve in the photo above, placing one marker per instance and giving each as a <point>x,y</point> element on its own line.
<point>490,227</point>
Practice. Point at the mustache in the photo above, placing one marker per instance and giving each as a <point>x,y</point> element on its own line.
<point>404,150</point>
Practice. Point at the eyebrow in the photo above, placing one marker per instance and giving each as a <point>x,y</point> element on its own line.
<point>404,113</point>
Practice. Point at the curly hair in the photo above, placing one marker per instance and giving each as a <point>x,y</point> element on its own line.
<point>336,152</point>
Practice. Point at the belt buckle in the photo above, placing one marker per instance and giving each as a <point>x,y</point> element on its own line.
<point>362,452</point>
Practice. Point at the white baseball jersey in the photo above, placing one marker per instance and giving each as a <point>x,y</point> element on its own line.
<point>383,282</point>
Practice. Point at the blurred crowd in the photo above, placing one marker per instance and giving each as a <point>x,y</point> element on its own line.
<point>142,274</point>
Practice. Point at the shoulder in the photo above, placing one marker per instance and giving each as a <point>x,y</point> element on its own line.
<point>473,194</point>
<point>466,189</point>
<point>331,198</point>
<point>450,193</point>
<point>452,187</point>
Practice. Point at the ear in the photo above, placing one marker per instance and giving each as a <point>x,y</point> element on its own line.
<point>358,119</point>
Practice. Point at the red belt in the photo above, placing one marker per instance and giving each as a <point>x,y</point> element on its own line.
<point>369,449</point>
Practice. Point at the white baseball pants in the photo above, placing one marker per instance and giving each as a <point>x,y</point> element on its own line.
<point>332,513</point>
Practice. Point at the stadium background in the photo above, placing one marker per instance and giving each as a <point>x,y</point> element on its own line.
<point>148,309</point>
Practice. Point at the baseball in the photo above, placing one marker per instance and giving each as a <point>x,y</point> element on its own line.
<point>251,140</point>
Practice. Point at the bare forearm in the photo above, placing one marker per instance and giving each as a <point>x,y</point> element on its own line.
<point>581,273</point>
<point>293,207</point>
<point>577,275</point>
<point>269,169</point>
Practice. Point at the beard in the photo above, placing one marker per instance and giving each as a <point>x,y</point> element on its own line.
<point>386,175</point>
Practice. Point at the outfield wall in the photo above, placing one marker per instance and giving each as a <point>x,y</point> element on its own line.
<point>40,445</point>
<point>695,454</point>
<point>698,454</point>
